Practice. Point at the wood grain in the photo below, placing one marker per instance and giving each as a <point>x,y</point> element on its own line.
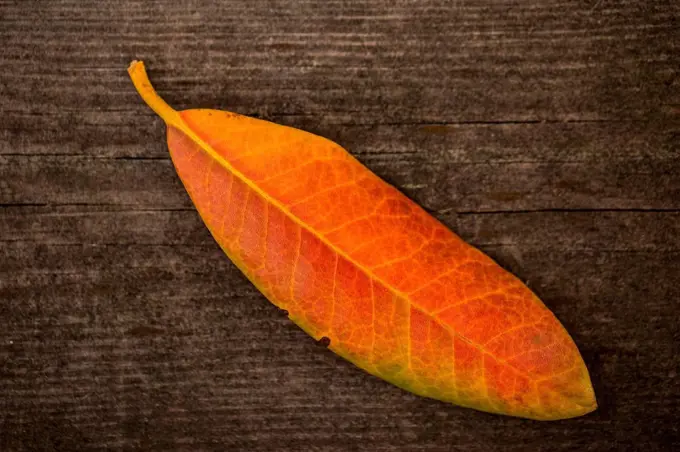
<point>546,133</point>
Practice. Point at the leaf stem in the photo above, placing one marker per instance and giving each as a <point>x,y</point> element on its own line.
<point>141,81</point>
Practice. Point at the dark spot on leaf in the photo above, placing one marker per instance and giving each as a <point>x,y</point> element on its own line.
<point>324,342</point>
<point>284,312</point>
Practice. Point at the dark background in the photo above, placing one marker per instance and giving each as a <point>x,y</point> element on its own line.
<point>547,133</point>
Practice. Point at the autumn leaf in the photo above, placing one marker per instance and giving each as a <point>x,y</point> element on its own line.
<point>354,260</point>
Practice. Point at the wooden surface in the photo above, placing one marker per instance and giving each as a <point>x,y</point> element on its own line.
<point>545,132</point>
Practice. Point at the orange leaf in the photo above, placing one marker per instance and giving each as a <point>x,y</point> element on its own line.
<point>354,260</point>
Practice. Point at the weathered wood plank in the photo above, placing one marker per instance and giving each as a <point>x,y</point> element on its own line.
<point>374,62</point>
<point>177,325</point>
<point>505,167</point>
<point>589,230</point>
